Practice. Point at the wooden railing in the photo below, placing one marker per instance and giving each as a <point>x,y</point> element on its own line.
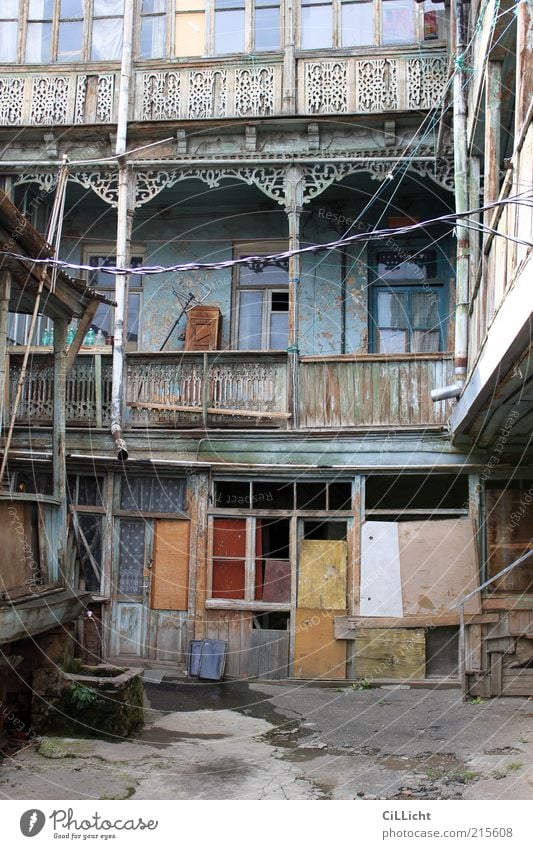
<point>87,395</point>
<point>373,390</point>
<point>241,389</point>
<point>216,388</point>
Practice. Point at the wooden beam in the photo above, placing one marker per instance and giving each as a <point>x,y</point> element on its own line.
<point>212,411</point>
<point>83,326</point>
<point>5,292</point>
<point>493,100</point>
<point>347,626</point>
<point>59,426</point>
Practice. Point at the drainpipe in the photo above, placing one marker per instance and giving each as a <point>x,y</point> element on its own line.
<point>123,228</point>
<point>461,206</point>
<point>461,196</point>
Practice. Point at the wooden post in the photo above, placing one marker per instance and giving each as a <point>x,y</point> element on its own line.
<point>461,199</point>
<point>198,491</point>
<point>5,293</point>
<point>58,445</point>
<point>294,198</point>
<point>289,61</point>
<point>493,102</point>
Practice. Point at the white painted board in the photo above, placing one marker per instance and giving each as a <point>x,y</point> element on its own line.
<point>380,588</point>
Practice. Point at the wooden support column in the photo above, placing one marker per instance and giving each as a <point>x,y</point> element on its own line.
<point>474,199</point>
<point>198,492</point>
<point>493,102</point>
<point>294,198</point>
<point>5,293</point>
<point>58,445</point>
<point>289,61</point>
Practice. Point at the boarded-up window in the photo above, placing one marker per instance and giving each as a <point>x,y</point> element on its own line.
<point>170,571</point>
<point>509,523</point>
<point>229,558</point>
<point>19,544</point>
<point>90,549</point>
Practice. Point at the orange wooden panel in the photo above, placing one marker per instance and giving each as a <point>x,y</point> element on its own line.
<point>202,330</point>
<point>229,538</point>
<point>170,570</point>
<point>228,579</point>
<point>317,654</point>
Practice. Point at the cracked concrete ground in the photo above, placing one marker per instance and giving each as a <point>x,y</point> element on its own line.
<point>289,741</point>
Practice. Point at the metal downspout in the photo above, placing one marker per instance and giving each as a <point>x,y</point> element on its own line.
<point>121,280</point>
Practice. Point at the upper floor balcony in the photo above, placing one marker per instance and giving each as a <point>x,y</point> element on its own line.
<point>204,59</point>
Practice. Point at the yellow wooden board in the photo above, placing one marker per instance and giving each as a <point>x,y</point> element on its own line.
<point>390,653</point>
<point>317,654</point>
<point>322,574</point>
<point>438,566</point>
<point>170,569</point>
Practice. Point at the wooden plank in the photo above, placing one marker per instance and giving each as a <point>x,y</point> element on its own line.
<point>347,626</point>
<point>322,574</point>
<point>473,648</point>
<point>269,654</point>
<point>438,566</point>
<point>392,653</point>
<point>496,667</point>
<point>381,591</point>
<point>212,411</point>
<point>509,534</point>
<point>316,652</point>
<point>277,581</point>
<point>170,571</point>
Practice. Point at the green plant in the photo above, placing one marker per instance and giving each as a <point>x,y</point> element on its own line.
<point>361,685</point>
<point>81,696</point>
<point>477,700</point>
<point>515,766</point>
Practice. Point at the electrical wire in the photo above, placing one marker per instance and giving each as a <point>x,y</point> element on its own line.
<point>257,263</point>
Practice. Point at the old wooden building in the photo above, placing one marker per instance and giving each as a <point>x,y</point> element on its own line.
<point>252,448</point>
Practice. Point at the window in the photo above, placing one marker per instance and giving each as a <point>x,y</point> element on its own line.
<point>267,25</point>
<point>190,37</point>
<point>86,495</point>
<point>106,41</point>
<point>262,304</point>
<point>229,26</point>
<point>9,12</point>
<point>152,29</point>
<point>104,281</point>
<point>72,30</point>
<point>39,31</point>
<point>356,23</point>
<point>407,303</point>
<point>70,36</point>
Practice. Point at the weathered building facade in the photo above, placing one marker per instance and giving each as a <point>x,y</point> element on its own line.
<point>252,448</point>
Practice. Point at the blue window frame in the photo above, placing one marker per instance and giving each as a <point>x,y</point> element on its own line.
<point>407,302</point>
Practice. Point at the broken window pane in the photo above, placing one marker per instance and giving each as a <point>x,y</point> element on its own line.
<point>90,549</point>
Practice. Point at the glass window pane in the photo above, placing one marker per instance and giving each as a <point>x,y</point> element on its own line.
<point>229,4</point>
<point>151,6</point>
<point>131,557</point>
<point>267,29</point>
<point>71,9</point>
<point>229,32</point>
<point>391,341</point>
<point>250,320</point>
<point>279,330</point>
<point>8,41</point>
<point>317,27</point>
<point>39,43</point>
<point>107,39</point>
<point>70,41</point>
<point>190,34</point>
<point>108,7</point>
<point>424,309</point>
<point>270,275</point>
<point>40,10</point>
<point>134,305</point>
<point>357,24</point>
<point>9,9</point>
<point>162,495</point>
<point>398,21</point>
<point>153,37</point>
<point>392,310</point>
<point>425,341</point>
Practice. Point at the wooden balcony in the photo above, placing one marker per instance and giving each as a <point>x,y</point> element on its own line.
<point>219,388</point>
<point>373,390</point>
<point>386,80</point>
<point>241,390</point>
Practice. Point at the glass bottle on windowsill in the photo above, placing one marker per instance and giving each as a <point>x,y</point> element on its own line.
<point>48,336</point>
<point>100,339</point>
<point>89,339</point>
<point>71,331</point>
